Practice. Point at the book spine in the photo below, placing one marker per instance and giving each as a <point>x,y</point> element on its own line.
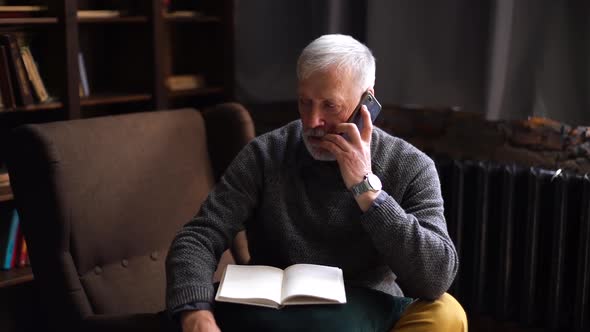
<point>27,96</point>
<point>33,74</point>
<point>5,80</point>
<point>83,77</point>
<point>22,260</point>
<point>17,247</point>
<point>18,69</point>
<point>6,263</point>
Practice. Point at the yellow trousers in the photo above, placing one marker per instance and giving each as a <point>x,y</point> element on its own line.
<point>443,314</point>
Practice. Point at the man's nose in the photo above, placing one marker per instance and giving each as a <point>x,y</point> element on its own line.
<point>314,118</point>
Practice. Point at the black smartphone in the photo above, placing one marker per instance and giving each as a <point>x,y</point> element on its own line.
<point>372,105</point>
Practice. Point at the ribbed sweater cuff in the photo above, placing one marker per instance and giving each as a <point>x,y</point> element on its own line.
<point>383,216</point>
<point>178,297</point>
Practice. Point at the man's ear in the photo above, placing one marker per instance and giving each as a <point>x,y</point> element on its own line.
<point>371,90</point>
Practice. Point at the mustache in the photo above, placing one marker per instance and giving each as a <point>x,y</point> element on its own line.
<point>314,132</point>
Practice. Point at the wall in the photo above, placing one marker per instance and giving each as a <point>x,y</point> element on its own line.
<point>464,135</point>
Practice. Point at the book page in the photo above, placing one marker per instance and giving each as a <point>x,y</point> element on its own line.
<point>308,283</point>
<point>243,282</point>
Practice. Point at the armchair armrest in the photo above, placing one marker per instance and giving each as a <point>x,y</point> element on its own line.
<point>229,128</point>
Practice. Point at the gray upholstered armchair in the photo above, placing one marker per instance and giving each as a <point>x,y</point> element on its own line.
<point>101,199</point>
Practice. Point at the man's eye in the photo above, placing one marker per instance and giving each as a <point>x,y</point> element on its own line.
<point>331,107</point>
<point>304,101</point>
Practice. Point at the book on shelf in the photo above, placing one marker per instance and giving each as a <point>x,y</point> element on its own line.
<point>6,88</point>
<point>10,9</point>
<point>15,250</point>
<point>83,87</point>
<point>185,82</point>
<point>21,11</point>
<point>33,74</point>
<point>8,240</point>
<point>18,74</point>
<point>4,176</point>
<point>267,286</point>
<point>5,191</point>
<point>98,13</point>
<point>23,253</point>
<point>19,257</point>
<point>183,14</point>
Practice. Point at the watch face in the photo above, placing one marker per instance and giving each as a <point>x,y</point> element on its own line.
<point>374,181</point>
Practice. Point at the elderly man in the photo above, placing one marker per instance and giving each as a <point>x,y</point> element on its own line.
<point>320,191</point>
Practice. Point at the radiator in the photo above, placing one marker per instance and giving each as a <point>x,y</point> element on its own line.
<point>523,238</point>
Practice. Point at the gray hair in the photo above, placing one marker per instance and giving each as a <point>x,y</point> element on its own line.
<point>341,51</point>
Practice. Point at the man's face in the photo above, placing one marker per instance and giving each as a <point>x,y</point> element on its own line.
<point>326,99</point>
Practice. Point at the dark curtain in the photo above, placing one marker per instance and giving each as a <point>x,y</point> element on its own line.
<point>539,60</point>
<point>270,34</point>
<point>430,53</point>
<point>509,59</point>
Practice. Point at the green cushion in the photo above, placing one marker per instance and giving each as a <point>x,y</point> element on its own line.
<point>365,310</point>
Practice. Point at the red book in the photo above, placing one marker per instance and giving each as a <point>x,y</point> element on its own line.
<point>17,247</point>
<point>22,260</point>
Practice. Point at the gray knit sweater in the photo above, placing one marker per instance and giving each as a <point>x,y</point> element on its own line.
<point>297,210</point>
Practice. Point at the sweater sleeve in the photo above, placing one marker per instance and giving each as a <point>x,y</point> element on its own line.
<point>412,236</point>
<point>197,247</point>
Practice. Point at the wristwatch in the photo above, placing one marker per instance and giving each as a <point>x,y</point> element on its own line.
<point>370,183</point>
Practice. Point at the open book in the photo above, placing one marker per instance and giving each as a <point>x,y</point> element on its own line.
<point>269,286</point>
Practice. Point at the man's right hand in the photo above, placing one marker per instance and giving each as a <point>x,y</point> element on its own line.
<point>198,321</point>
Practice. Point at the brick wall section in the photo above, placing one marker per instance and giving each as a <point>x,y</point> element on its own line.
<point>463,135</point>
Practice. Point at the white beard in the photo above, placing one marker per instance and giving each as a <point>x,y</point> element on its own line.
<point>316,152</point>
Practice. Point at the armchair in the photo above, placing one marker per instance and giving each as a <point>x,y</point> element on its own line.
<point>100,200</point>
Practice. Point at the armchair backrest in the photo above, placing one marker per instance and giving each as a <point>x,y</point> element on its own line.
<point>100,200</point>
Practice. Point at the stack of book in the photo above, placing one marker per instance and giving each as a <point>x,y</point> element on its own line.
<point>83,87</point>
<point>22,11</point>
<point>185,82</point>
<point>5,189</point>
<point>99,13</point>
<point>13,247</point>
<point>183,14</point>
<point>20,81</point>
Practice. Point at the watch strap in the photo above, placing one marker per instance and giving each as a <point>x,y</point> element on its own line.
<point>360,187</point>
<point>366,185</point>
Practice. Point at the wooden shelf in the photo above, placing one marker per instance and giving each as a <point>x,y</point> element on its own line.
<point>33,108</point>
<point>16,276</point>
<point>29,21</point>
<point>40,107</point>
<point>114,20</point>
<point>195,92</point>
<point>106,99</point>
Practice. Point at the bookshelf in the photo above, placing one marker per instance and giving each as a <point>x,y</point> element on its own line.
<point>28,21</point>
<point>15,277</point>
<point>130,49</point>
